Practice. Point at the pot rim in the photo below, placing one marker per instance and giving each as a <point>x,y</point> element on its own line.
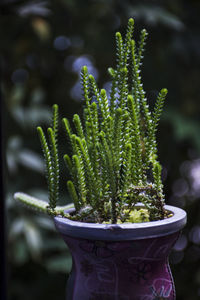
<point>125,231</point>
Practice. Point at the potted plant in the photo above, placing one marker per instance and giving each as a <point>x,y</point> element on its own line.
<point>119,229</point>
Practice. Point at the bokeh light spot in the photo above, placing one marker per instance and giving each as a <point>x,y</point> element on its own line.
<point>180,187</point>
<point>181,243</point>
<point>75,91</point>
<point>61,43</point>
<point>84,61</point>
<point>194,235</point>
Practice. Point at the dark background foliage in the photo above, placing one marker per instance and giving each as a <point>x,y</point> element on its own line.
<point>43,46</point>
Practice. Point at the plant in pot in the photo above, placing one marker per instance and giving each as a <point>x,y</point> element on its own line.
<point>119,229</point>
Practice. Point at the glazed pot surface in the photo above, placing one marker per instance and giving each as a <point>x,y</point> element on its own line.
<point>128,269</point>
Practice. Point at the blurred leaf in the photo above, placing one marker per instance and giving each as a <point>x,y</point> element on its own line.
<point>184,128</point>
<point>17,155</point>
<point>62,263</point>
<point>37,96</point>
<point>56,244</point>
<point>155,15</point>
<point>19,116</point>
<point>10,203</point>
<point>16,229</point>
<point>14,145</point>
<point>20,252</point>
<point>38,8</point>
<point>33,239</point>
<point>41,28</point>
<point>16,96</point>
<point>31,116</point>
<point>45,222</point>
<point>11,162</point>
<point>36,115</point>
<point>31,160</point>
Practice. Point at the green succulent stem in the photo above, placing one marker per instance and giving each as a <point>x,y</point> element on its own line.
<point>40,205</point>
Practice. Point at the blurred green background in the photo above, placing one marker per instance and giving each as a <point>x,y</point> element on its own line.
<point>43,46</point>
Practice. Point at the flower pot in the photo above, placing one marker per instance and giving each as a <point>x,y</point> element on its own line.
<point>121,262</point>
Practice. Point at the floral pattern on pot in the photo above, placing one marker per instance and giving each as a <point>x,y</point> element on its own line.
<point>126,270</point>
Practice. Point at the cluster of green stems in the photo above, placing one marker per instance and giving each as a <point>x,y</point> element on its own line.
<point>113,162</point>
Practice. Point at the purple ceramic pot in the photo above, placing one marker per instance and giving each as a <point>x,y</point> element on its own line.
<point>121,262</point>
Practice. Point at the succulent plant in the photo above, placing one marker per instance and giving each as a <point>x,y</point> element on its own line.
<point>114,163</point>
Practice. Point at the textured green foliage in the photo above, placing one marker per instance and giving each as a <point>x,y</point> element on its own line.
<point>73,194</point>
<point>51,158</point>
<point>114,151</point>
<point>117,145</point>
<point>142,43</point>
